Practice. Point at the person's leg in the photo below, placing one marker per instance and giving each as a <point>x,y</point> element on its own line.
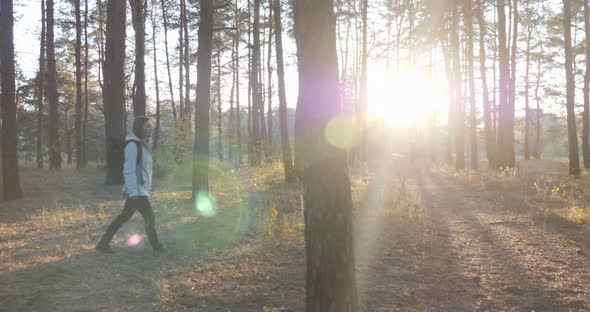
<point>146,211</point>
<point>124,216</point>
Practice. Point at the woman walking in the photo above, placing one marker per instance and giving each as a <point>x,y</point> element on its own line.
<point>137,171</point>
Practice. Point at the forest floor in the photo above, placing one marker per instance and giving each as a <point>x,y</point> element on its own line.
<point>426,240</point>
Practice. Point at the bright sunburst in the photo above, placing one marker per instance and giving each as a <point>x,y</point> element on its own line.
<point>405,99</point>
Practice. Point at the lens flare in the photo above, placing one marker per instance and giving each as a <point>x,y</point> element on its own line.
<point>134,240</point>
<point>206,204</point>
<point>341,132</point>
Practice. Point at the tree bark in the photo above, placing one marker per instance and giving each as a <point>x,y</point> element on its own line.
<point>41,89</point>
<point>269,146</point>
<point>10,175</point>
<point>171,90</point>
<point>202,111</point>
<point>230,124</point>
<point>219,112</point>
<point>68,135</point>
<point>330,276</point>
<point>157,83</point>
<point>250,140</point>
<point>237,66</point>
<point>527,118</point>
<point>537,149</point>
<point>487,119</point>
<point>181,106</point>
<point>586,113</point>
<point>574,161</point>
<point>256,137</point>
<point>283,118</point>
<point>138,12</point>
<point>505,152</point>
<point>363,100</point>
<point>78,57</point>
<point>52,96</point>
<point>114,90</point>
<point>459,118</point>
<point>86,98</point>
<point>468,11</point>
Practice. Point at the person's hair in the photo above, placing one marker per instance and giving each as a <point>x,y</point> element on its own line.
<point>138,124</point>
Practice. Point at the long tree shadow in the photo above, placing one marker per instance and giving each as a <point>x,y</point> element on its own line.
<point>505,279</point>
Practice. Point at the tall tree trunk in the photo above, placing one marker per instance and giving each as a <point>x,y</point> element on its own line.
<point>527,118</point>
<point>181,65</point>
<point>261,85</point>
<point>10,175</point>
<point>586,114</point>
<point>468,11</point>
<point>570,91</point>
<point>447,51</point>
<point>256,137</point>
<point>363,100</point>
<point>487,119</point>
<point>68,135</point>
<point>512,84</point>
<point>52,96</point>
<point>459,118</point>
<point>505,152</point>
<point>495,93</point>
<point>230,124</point>
<point>171,90</point>
<point>41,89</point>
<point>86,98</point>
<point>330,276</point>
<point>250,139</point>
<point>138,12</point>
<point>537,149</point>
<point>283,118</point>
<point>269,145</point>
<point>157,83</point>
<point>202,111</point>
<point>114,90</point>
<point>237,65</point>
<point>187,64</point>
<point>78,57</point>
<point>219,111</point>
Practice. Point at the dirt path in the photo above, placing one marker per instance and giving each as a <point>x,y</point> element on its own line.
<point>467,254</point>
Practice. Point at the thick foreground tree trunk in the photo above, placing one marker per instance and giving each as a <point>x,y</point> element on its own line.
<point>114,90</point>
<point>202,111</point>
<point>330,277</point>
<point>10,176</point>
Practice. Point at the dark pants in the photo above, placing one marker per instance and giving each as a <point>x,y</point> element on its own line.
<point>142,204</point>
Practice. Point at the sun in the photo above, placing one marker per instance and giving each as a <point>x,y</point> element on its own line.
<point>405,99</point>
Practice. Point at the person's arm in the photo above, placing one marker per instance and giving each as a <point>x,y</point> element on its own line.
<point>130,170</point>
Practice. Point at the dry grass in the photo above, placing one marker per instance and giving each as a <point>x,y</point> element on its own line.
<point>541,189</point>
<point>47,257</point>
<point>248,256</point>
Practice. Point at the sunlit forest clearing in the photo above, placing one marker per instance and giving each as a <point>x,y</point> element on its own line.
<point>306,155</point>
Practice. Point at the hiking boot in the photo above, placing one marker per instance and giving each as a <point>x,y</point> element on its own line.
<point>104,248</point>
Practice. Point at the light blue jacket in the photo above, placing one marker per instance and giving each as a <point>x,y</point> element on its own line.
<point>138,181</point>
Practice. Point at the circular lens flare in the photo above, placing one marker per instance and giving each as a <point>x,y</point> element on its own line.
<point>342,132</point>
<point>206,204</point>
